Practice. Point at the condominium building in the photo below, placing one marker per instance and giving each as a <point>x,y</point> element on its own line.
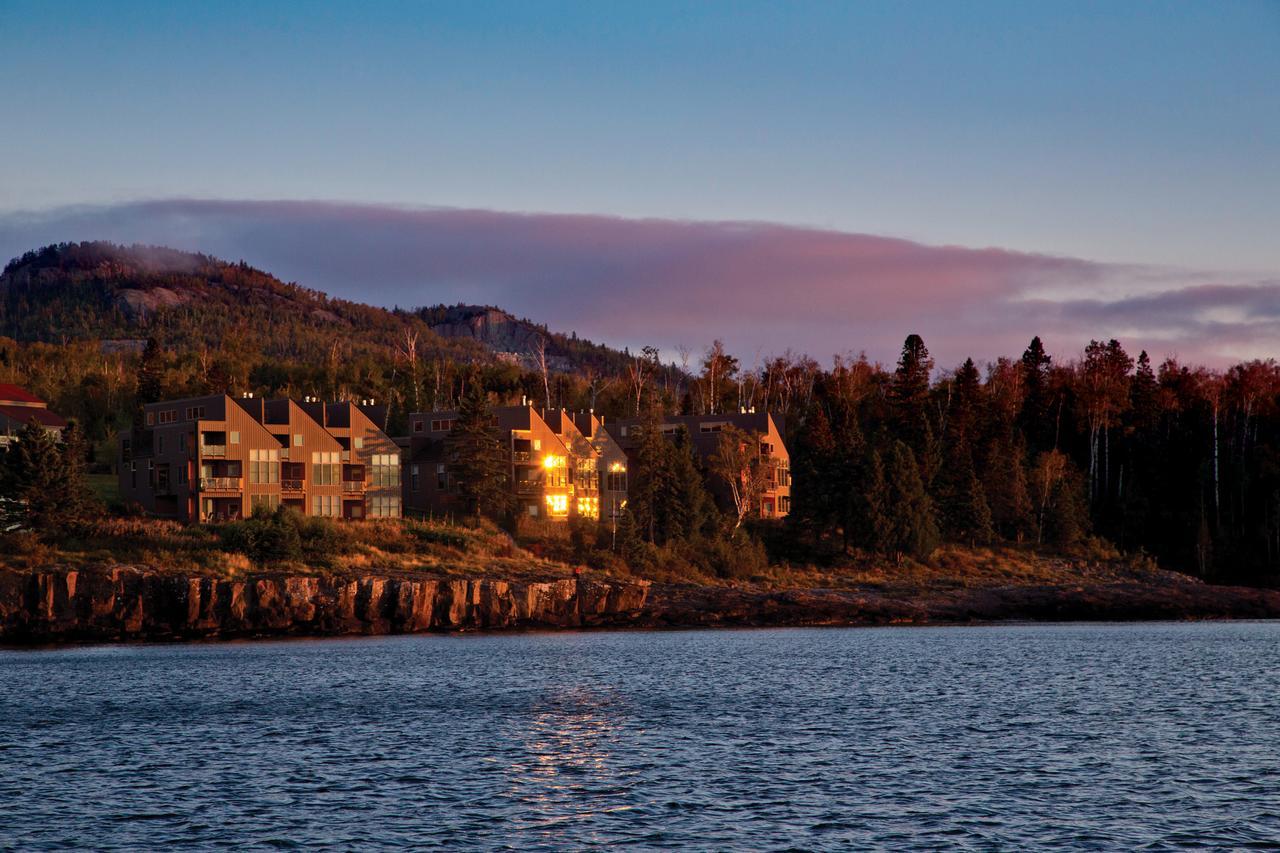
<point>611,462</point>
<point>704,433</point>
<point>216,458</point>
<point>554,468</point>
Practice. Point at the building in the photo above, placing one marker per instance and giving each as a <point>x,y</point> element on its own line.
<point>611,461</point>
<point>216,458</point>
<point>18,407</point>
<point>704,432</point>
<point>555,468</point>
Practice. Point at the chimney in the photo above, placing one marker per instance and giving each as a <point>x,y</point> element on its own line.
<point>524,400</point>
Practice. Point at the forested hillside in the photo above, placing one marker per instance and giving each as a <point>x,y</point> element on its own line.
<point>1179,461</point>
<point>75,317</point>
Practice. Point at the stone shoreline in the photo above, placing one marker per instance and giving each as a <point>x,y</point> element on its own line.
<point>130,604</point>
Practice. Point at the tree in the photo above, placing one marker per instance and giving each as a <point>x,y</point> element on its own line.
<point>648,473</point>
<point>909,393</point>
<point>479,458</point>
<point>150,378</point>
<point>718,370</point>
<point>912,528</point>
<point>966,516</point>
<point>688,511</point>
<point>42,482</point>
<point>740,463</point>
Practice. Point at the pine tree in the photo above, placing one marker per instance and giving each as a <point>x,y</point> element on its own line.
<point>912,528</point>
<point>150,378</point>
<point>688,512</point>
<point>869,508</point>
<point>962,500</point>
<point>813,459</point>
<point>648,474</point>
<point>909,393</point>
<point>478,458</point>
<point>42,482</point>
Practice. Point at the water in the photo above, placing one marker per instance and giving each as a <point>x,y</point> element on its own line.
<point>1080,736</point>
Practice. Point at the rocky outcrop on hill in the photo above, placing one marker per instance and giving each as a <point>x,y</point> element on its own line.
<point>129,604</point>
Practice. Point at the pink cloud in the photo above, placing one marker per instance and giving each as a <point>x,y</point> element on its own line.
<point>762,287</point>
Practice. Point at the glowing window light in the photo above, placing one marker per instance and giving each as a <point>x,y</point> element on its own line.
<point>558,504</point>
<point>617,468</point>
<point>553,461</point>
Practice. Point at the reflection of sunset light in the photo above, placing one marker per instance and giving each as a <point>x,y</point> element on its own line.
<point>552,461</point>
<point>567,746</point>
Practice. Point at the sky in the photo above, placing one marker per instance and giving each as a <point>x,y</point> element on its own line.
<point>823,177</point>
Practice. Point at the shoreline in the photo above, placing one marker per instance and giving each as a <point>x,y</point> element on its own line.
<point>54,608</point>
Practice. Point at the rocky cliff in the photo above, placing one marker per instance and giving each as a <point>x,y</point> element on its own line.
<point>129,604</point>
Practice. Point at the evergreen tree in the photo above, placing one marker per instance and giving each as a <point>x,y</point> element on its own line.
<point>42,482</point>
<point>909,393</point>
<point>869,508</point>
<point>478,458</point>
<point>648,474</point>
<point>966,517</point>
<point>688,511</point>
<point>813,459</point>
<point>912,528</point>
<point>150,378</point>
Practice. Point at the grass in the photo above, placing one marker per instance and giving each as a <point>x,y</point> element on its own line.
<point>439,549</point>
<point>106,487</point>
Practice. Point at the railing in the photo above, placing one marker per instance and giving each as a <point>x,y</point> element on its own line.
<point>528,487</point>
<point>211,450</point>
<point>219,484</point>
<point>353,485</point>
<point>290,485</point>
<point>521,456</point>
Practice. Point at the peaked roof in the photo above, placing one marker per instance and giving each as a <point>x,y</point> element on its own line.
<point>14,394</point>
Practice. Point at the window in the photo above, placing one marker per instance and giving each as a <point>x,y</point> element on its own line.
<point>385,470</point>
<point>616,481</point>
<point>384,506</point>
<point>325,468</point>
<point>442,477</point>
<point>151,418</point>
<point>195,413</point>
<point>441,425</point>
<point>235,437</point>
<point>297,439</point>
<point>417,426</point>
<point>268,501</point>
<point>264,466</point>
<point>182,474</point>
<point>589,507</point>
<point>556,470</point>
<point>328,505</point>
<point>169,417</point>
<point>162,478</point>
<point>133,475</point>
<point>533,510</point>
<point>537,444</point>
<point>585,474</point>
<point>670,429</point>
<point>413,477</point>
<point>784,504</point>
<point>784,474</point>
<point>557,504</point>
<point>359,443</point>
<point>712,426</point>
<point>126,448</point>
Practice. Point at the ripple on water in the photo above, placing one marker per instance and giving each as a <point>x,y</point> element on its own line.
<point>1155,736</point>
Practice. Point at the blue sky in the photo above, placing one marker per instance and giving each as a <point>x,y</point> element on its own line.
<point>1112,132</point>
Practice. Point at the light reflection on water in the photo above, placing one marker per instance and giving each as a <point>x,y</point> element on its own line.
<point>1102,736</point>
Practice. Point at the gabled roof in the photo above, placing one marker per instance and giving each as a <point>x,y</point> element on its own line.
<point>24,414</point>
<point>14,394</point>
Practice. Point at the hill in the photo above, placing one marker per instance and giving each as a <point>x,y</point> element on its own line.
<point>74,318</point>
<point>102,291</point>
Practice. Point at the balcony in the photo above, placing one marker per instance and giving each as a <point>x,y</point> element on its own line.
<point>291,485</point>
<point>353,486</point>
<point>213,451</point>
<point>219,484</point>
<point>528,487</point>
<point>521,456</point>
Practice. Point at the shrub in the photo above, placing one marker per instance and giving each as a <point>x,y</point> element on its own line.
<point>265,537</point>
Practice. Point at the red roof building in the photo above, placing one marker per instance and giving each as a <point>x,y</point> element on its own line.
<point>18,407</point>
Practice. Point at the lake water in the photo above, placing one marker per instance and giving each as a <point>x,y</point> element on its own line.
<point>1092,736</point>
